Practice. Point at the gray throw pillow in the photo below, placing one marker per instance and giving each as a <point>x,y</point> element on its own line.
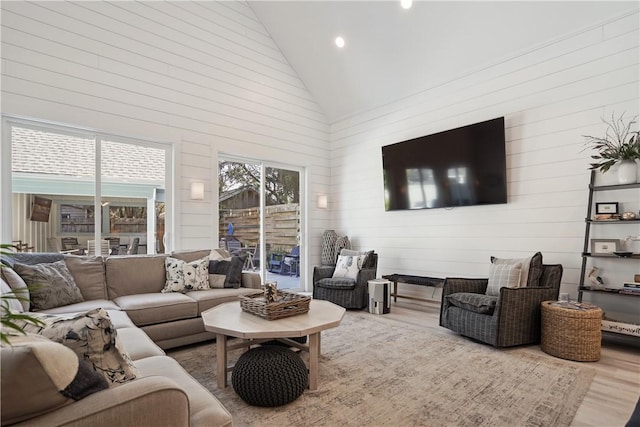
<point>231,270</point>
<point>51,285</point>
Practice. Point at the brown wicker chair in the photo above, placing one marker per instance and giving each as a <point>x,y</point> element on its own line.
<point>515,320</point>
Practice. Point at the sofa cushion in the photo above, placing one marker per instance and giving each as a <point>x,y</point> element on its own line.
<point>183,276</point>
<point>213,297</point>
<point>531,268</point>
<point>88,272</point>
<point>138,344</point>
<point>52,284</point>
<point>39,375</point>
<point>348,266</point>
<point>226,273</point>
<point>140,274</point>
<point>148,309</point>
<point>81,307</point>
<point>332,283</point>
<point>204,408</point>
<point>92,337</point>
<point>17,285</point>
<point>503,276</point>
<point>477,303</point>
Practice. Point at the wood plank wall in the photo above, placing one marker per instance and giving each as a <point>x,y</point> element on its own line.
<point>550,96</point>
<point>204,76</point>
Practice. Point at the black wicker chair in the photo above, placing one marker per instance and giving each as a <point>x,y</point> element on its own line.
<point>515,320</point>
<point>347,293</point>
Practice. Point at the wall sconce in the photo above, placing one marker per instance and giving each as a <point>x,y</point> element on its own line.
<point>197,191</point>
<point>322,201</point>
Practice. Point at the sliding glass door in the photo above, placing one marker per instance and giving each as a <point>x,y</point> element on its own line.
<point>92,193</point>
<point>260,218</point>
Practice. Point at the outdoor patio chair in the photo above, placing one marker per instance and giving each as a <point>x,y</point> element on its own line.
<point>104,247</point>
<point>132,249</point>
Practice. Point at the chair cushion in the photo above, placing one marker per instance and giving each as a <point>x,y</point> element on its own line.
<point>149,309</point>
<point>531,268</point>
<point>337,283</point>
<point>501,276</point>
<point>52,284</point>
<point>39,375</point>
<point>183,276</point>
<point>93,338</point>
<point>477,303</point>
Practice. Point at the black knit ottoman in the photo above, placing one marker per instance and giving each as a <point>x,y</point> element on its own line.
<point>269,376</point>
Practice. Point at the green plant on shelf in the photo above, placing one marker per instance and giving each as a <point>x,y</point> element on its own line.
<point>619,143</point>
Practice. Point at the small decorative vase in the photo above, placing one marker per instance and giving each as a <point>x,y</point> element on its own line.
<point>627,172</point>
<point>341,243</point>
<point>328,256</point>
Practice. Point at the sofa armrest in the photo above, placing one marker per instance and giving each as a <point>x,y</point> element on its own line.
<point>323,272</point>
<point>365,275</point>
<point>149,401</point>
<point>453,285</point>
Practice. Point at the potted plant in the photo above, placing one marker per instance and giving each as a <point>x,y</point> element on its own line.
<point>620,144</point>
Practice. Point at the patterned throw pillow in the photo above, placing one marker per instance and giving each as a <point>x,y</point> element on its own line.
<point>92,337</point>
<point>501,276</point>
<point>531,268</point>
<point>226,274</point>
<point>185,276</point>
<point>51,284</point>
<point>348,266</point>
<point>56,377</point>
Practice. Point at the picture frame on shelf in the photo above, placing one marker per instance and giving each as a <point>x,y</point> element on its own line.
<point>604,246</point>
<point>610,208</point>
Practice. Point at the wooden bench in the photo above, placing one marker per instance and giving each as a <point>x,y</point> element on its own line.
<point>413,280</point>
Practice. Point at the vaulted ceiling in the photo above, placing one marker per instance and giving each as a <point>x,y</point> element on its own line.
<point>392,53</point>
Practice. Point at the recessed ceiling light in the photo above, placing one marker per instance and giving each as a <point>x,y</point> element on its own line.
<point>339,42</point>
<point>406,4</point>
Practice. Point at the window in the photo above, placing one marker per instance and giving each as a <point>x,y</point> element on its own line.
<point>101,186</point>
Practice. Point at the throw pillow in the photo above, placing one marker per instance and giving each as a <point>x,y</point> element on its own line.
<point>348,266</point>
<point>531,268</point>
<point>219,255</point>
<point>39,375</point>
<point>18,286</point>
<point>226,274</point>
<point>92,337</point>
<point>503,275</point>
<point>368,260</point>
<point>10,300</point>
<point>51,285</point>
<point>185,276</point>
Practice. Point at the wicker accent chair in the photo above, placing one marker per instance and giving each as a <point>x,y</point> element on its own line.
<point>515,320</point>
<point>347,293</point>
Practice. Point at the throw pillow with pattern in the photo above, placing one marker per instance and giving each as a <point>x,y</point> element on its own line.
<point>92,337</point>
<point>503,275</point>
<point>348,266</point>
<point>51,285</point>
<point>185,276</point>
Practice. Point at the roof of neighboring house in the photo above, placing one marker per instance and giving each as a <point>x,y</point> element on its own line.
<point>46,153</point>
<point>231,193</point>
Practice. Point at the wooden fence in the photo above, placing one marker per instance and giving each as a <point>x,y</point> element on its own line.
<point>282,226</point>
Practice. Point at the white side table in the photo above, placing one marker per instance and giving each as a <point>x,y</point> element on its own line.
<point>379,296</point>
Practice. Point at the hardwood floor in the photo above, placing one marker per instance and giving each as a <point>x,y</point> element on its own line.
<point>613,392</point>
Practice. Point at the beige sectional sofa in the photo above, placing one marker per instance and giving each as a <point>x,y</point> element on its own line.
<point>147,321</point>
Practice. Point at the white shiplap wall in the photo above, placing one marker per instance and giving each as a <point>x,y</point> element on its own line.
<point>205,76</point>
<point>550,96</point>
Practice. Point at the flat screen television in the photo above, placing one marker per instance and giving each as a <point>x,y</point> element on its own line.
<point>458,167</point>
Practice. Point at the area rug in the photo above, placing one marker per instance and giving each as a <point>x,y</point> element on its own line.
<point>376,371</point>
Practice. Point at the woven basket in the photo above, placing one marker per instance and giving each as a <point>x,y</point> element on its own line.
<point>570,333</point>
<point>288,304</point>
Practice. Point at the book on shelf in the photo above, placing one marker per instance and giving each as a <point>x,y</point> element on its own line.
<point>630,291</point>
<point>633,285</point>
